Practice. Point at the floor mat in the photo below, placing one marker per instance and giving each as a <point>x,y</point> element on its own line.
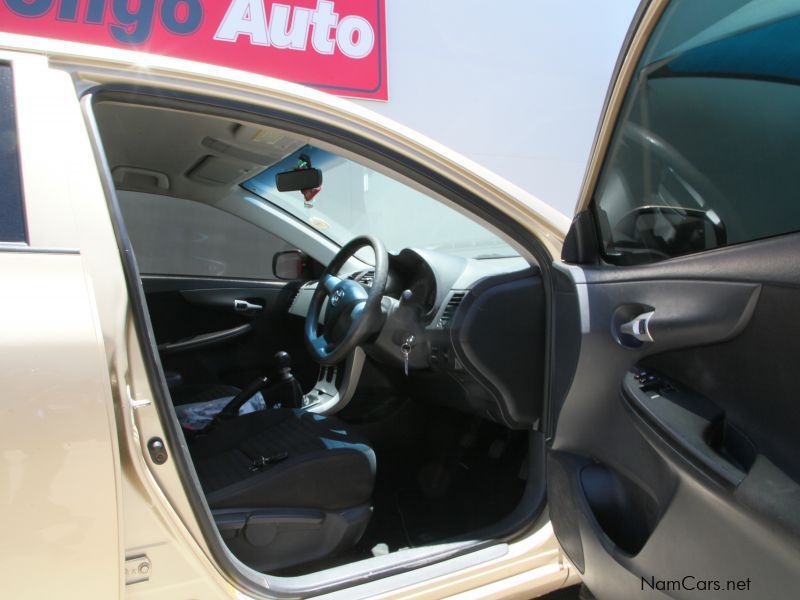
<point>480,495</point>
<point>441,476</point>
<point>424,503</point>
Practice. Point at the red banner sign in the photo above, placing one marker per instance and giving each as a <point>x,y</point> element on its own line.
<point>335,45</point>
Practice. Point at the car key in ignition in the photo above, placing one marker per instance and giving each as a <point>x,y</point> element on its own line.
<point>405,349</point>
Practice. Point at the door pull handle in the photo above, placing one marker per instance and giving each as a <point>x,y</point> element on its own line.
<point>244,306</point>
<point>639,327</point>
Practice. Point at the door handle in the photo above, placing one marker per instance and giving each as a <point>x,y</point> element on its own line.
<point>639,327</point>
<point>244,306</point>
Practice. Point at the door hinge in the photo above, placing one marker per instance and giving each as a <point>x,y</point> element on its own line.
<point>137,570</point>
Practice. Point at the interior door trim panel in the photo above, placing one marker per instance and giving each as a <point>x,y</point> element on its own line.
<point>205,340</point>
<point>671,541</point>
<point>687,313</point>
<point>226,298</point>
<point>172,283</point>
<point>768,261</point>
<point>677,456</point>
<point>691,426</point>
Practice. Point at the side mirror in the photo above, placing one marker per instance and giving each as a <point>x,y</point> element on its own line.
<point>298,180</point>
<point>667,231</point>
<point>289,265</point>
<point>687,229</point>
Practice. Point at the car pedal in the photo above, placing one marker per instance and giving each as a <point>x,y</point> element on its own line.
<point>523,471</point>
<point>497,448</point>
<point>434,480</point>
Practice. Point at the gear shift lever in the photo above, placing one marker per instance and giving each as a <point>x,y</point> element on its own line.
<point>285,390</point>
<point>283,362</point>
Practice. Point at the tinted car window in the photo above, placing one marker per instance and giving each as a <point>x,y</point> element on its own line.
<point>707,147</point>
<point>173,236</point>
<point>12,217</point>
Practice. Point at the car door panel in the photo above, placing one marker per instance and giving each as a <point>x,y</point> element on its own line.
<point>205,340</point>
<point>696,474</point>
<point>206,337</point>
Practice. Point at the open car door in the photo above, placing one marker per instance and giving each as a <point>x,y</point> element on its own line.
<point>674,464</point>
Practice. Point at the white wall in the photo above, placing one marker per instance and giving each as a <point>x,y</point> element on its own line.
<point>516,85</point>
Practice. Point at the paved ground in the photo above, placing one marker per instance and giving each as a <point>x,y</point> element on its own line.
<point>570,593</point>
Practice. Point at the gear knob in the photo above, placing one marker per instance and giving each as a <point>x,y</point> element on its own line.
<point>283,360</point>
<point>286,390</point>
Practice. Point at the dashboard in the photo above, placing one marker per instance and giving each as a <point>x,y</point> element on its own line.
<point>478,331</point>
<point>408,270</point>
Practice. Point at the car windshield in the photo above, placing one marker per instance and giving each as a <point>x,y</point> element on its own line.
<point>356,200</point>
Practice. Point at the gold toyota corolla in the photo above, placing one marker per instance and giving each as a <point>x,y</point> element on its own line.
<point>260,342</point>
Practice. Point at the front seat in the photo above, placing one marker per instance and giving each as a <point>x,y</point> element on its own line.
<point>285,486</point>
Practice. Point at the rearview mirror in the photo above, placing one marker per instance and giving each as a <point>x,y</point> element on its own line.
<point>289,265</point>
<point>298,180</point>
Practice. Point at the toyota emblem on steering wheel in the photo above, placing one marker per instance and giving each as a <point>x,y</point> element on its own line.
<point>337,296</point>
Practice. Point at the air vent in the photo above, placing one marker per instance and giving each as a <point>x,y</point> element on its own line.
<point>365,277</point>
<point>450,309</point>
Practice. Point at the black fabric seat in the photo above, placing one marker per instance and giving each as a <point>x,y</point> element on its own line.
<point>286,486</point>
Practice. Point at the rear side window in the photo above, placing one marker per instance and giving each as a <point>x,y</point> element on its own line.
<point>12,217</point>
<point>174,236</point>
<point>706,151</point>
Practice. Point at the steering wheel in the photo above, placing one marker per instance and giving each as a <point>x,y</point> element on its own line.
<point>353,311</point>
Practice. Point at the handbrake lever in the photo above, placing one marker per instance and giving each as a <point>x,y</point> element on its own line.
<point>231,409</point>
